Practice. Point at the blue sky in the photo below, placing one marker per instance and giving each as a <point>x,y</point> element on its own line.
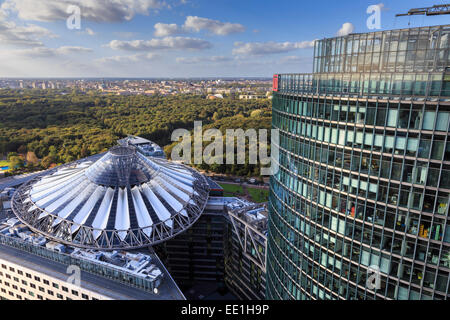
<point>181,38</point>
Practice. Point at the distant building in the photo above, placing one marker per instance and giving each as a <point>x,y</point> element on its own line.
<point>215,96</point>
<point>144,146</point>
<point>251,97</point>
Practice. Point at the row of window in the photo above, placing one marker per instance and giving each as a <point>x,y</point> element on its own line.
<point>371,165</point>
<point>391,40</point>
<point>331,184</point>
<point>341,213</point>
<point>366,140</point>
<point>309,274</point>
<point>392,83</point>
<point>38,279</point>
<point>423,148</point>
<point>366,113</point>
<point>364,178</point>
<point>334,254</point>
<point>401,50</point>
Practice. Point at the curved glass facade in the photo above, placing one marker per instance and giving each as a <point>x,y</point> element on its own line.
<point>359,208</point>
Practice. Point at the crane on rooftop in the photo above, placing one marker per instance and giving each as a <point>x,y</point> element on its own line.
<point>429,11</point>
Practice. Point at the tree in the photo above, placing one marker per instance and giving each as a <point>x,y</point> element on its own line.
<point>12,154</point>
<point>16,162</point>
<point>48,161</point>
<point>31,158</point>
<point>22,149</point>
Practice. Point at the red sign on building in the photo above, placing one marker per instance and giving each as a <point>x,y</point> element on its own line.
<point>275,82</point>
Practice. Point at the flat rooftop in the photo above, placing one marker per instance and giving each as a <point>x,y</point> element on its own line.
<point>141,263</point>
<point>115,290</point>
<point>137,140</point>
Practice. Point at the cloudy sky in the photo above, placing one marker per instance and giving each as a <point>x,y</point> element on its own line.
<point>179,38</point>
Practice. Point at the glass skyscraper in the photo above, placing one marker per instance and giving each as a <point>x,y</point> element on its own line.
<point>359,208</point>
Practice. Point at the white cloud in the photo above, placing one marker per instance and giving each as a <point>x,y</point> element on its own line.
<point>44,52</point>
<point>130,59</point>
<point>72,50</point>
<point>93,10</point>
<point>197,24</point>
<point>294,59</point>
<point>125,34</point>
<point>164,30</point>
<point>2,15</point>
<point>27,35</point>
<point>167,43</point>
<point>197,60</point>
<point>265,48</point>
<point>346,29</point>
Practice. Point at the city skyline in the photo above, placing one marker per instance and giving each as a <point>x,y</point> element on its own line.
<point>224,151</point>
<point>177,38</point>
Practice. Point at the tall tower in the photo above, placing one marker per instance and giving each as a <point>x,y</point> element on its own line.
<point>359,208</point>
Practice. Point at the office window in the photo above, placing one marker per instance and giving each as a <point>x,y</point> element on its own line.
<point>428,120</point>
<point>442,121</point>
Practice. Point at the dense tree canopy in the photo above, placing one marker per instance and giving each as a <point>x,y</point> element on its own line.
<point>59,128</point>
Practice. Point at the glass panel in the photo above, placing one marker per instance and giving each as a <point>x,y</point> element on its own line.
<point>424,149</point>
<point>392,118</point>
<point>428,120</point>
<point>442,121</point>
<point>438,150</point>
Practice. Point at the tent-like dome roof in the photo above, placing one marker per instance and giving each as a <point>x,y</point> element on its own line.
<point>123,200</point>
